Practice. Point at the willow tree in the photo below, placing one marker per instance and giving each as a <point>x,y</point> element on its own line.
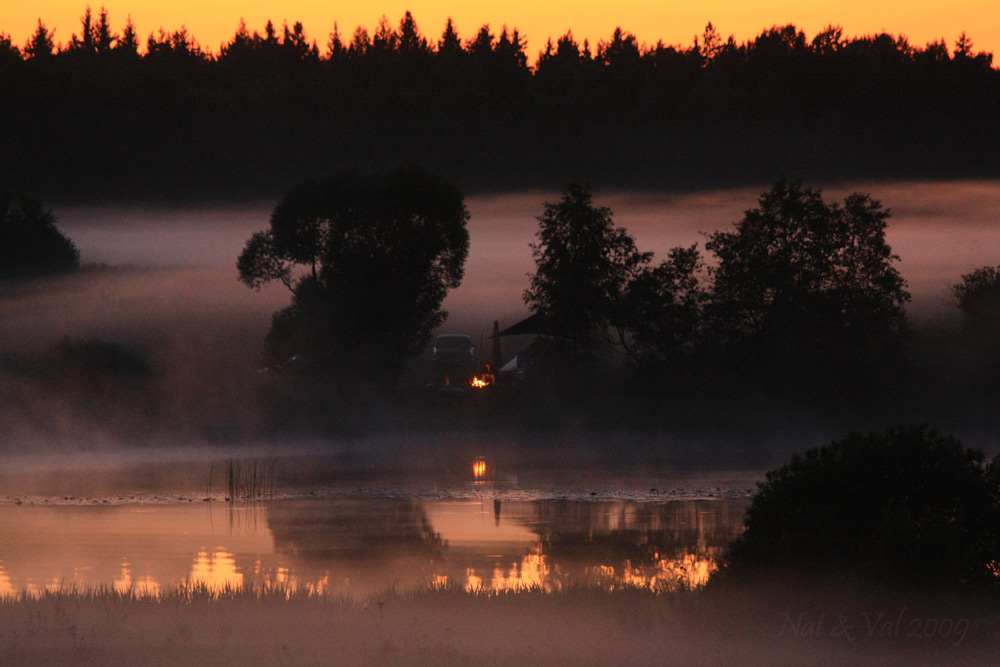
<point>368,259</point>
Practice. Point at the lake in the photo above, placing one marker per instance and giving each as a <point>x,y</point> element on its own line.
<point>363,545</point>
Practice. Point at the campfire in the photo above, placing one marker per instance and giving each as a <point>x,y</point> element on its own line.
<point>484,380</point>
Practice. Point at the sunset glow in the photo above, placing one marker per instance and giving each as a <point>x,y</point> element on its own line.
<point>212,24</point>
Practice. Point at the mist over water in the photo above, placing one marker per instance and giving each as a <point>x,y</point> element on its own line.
<point>166,288</point>
<point>940,230</point>
<point>572,503</point>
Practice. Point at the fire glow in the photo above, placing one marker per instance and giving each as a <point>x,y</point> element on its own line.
<point>479,468</point>
<point>480,382</point>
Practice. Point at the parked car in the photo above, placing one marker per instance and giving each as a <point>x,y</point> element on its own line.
<point>454,358</point>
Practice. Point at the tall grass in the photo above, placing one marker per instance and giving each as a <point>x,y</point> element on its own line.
<point>184,592</point>
<point>201,592</point>
<point>250,479</point>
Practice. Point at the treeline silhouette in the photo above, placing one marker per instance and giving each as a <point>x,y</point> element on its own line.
<point>106,114</point>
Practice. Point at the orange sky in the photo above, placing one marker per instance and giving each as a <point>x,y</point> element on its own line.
<point>674,22</point>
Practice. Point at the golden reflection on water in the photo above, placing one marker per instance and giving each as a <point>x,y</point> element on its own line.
<point>215,571</point>
<point>143,549</point>
<point>660,547</point>
<point>531,572</point>
<point>359,547</point>
<point>534,572</point>
<point>689,571</point>
<point>6,587</point>
<point>143,585</point>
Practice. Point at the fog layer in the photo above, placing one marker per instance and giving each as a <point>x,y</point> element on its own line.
<point>162,285</point>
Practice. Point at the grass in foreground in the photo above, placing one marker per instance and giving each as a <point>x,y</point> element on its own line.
<point>764,623</point>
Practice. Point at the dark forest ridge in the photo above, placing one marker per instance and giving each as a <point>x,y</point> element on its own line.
<point>96,34</point>
<point>103,117</point>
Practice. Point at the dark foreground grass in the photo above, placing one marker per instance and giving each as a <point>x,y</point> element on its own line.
<point>764,623</point>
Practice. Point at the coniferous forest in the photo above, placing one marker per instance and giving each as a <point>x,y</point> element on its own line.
<point>109,114</point>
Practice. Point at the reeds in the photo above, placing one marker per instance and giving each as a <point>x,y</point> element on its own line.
<point>186,592</point>
<point>250,479</point>
<point>199,591</point>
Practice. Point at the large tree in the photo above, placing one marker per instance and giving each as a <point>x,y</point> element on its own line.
<point>798,277</point>
<point>369,259</point>
<point>30,243</point>
<point>584,263</point>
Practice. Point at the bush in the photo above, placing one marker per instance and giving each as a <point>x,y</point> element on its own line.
<point>907,505</point>
<point>89,357</point>
<point>978,296</point>
<point>30,243</point>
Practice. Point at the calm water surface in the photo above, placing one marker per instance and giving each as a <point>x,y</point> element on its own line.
<point>361,546</point>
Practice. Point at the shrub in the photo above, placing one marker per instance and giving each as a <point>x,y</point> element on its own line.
<point>907,505</point>
<point>30,242</point>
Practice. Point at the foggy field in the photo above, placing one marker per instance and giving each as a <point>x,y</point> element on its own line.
<point>125,387</point>
<point>160,292</point>
<point>939,229</point>
<point>767,624</point>
<point>421,352</point>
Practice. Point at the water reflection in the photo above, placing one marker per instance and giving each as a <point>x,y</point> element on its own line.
<point>128,583</point>
<point>351,545</point>
<point>657,546</point>
<point>146,549</point>
<point>360,546</point>
<point>216,570</point>
<point>640,544</point>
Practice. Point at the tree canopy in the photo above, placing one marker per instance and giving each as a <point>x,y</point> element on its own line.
<point>369,259</point>
<point>978,296</point>
<point>583,264</point>
<point>661,318</point>
<point>798,275</point>
<point>30,243</point>
<point>271,106</point>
